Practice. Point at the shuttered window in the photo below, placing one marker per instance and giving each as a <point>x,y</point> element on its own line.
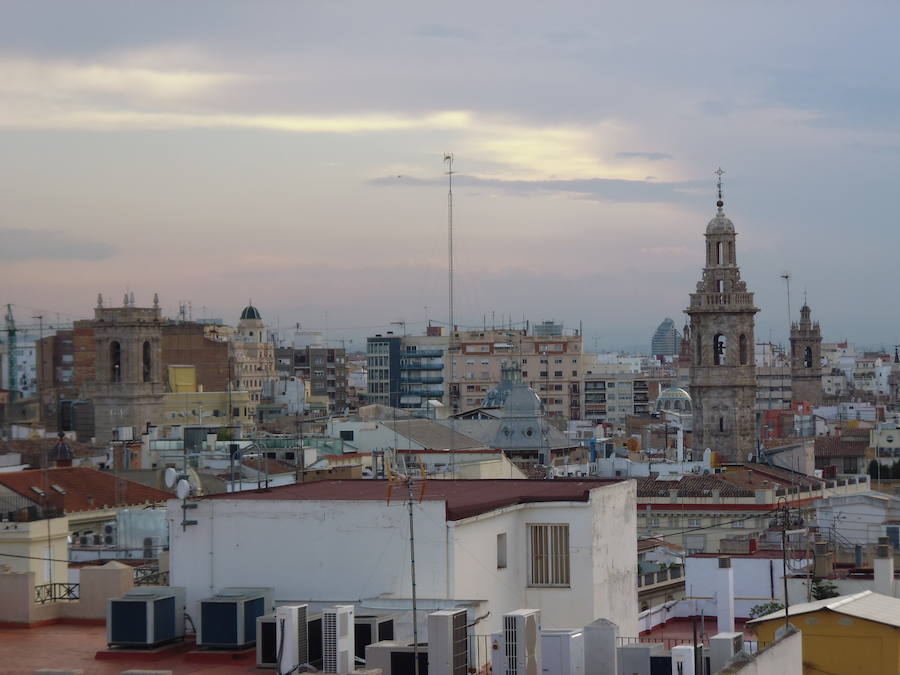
<point>548,555</point>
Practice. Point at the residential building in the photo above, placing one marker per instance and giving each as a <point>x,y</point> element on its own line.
<point>383,368</point>
<point>847,456</point>
<point>190,343</point>
<point>493,546</point>
<point>323,369</point>
<point>611,399</point>
<point>723,374</point>
<point>666,340</point>
<point>860,518</point>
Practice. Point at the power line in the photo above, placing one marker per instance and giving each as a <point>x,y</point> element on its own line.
<point>707,527</point>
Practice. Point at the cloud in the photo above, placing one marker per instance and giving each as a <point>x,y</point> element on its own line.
<point>652,156</point>
<point>441,31</point>
<point>21,244</point>
<point>600,189</point>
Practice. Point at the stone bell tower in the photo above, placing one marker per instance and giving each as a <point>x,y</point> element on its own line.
<point>129,384</point>
<point>806,359</point>
<point>723,369</point>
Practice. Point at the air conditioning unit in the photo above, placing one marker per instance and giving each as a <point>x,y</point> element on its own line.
<point>369,628</point>
<point>84,541</point>
<point>722,648</point>
<point>266,642</point>
<point>562,652</point>
<point>522,642</point>
<point>145,617</point>
<point>228,619</point>
<point>396,658</point>
<point>291,637</point>
<point>338,651</point>
<point>448,642</point>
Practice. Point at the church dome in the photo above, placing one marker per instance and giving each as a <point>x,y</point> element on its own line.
<point>674,398</point>
<point>521,401</point>
<point>720,224</point>
<point>250,312</point>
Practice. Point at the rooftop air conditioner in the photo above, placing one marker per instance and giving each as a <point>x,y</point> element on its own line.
<point>266,642</point>
<point>291,637</point>
<point>368,629</point>
<point>722,648</point>
<point>337,640</point>
<point>448,642</point>
<point>145,617</point>
<point>314,639</point>
<point>522,643</point>
<point>396,658</point>
<point>228,619</point>
<point>562,652</point>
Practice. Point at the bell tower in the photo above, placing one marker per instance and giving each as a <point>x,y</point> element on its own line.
<point>723,369</point>
<point>806,359</point>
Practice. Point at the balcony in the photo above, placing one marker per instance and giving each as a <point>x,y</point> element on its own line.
<point>422,353</point>
<point>419,391</point>
<point>422,366</point>
<point>422,379</point>
<point>669,575</point>
<point>719,300</point>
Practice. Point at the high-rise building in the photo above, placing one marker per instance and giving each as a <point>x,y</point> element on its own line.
<point>806,359</point>
<point>723,372</point>
<point>666,341</point>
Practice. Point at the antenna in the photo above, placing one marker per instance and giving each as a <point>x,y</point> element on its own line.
<point>719,172</point>
<point>787,280</point>
<point>448,160</point>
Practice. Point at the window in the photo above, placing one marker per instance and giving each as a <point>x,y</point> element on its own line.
<point>346,435</point>
<point>742,346</point>
<point>548,555</point>
<point>146,362</point>
<point>115,362</point>
<point>501,551</point>
<point>693,522</point>
<point>719,349</point>
<point>654,522</point>
<point>557,373</point>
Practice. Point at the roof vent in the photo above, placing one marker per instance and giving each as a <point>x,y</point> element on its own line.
<point>724,563</point>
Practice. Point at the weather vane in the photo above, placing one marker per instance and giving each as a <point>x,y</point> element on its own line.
<point>719,172</point>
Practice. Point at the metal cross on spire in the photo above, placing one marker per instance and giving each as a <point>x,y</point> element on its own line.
<point>719,172</point>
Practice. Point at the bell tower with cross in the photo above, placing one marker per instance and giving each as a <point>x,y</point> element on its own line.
<point>723,369</point>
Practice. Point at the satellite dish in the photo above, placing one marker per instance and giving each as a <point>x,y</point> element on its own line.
<point>171,476</point>
<point>183,489</point>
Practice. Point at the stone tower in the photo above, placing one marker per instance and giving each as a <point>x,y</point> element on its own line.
<point>128,388</point>
<point>723,370</point>
<point>806,359</point>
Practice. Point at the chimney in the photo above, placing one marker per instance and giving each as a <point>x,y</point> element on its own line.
<point>884,567</point>
<point>725,596</point>
<point>823,565</point>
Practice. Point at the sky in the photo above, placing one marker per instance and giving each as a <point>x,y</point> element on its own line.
<point>292,153</point>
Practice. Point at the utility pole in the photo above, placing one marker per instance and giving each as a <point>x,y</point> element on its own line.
<point>412,570</point>
<point>785,512</point>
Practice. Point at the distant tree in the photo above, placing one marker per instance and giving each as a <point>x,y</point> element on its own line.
<point>765,608</point>
<point>822,589</point>
<point>873,469</point>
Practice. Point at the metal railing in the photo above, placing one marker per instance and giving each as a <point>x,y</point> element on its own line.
<point>660,576</point>
<point>150,576</point>
<point>54,592</point>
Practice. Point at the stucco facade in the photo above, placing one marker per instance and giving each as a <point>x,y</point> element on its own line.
<point>357,551</point>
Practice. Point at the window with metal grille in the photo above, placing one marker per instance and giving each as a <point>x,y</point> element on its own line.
<point>548,555</point>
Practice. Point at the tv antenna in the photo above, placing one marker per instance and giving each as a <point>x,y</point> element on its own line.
<point>787,280</point>
<point>398,475</point>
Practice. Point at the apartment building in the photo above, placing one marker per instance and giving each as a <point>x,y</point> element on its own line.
<point>407,371</point>
<point>611,399</point>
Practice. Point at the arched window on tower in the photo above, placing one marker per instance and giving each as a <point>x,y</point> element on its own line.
<point>742,346</point>
<point>147,363</point>
<point>698,356</point>
<point>730,253</point>
<point>807,358</point>
<point>115,361</point>
<point>719,247</point>
<point>721,424</point>
<point>720,349</point>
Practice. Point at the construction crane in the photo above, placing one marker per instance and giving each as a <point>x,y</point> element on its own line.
<point>11,352</point>
<point>12,346</point>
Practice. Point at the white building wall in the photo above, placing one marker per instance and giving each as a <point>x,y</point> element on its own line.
<point>369,436</point>
<point>332,552</point>
<point>856,519</point>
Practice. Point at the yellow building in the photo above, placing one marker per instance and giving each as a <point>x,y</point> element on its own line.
<point>184,405</point>
<point>858,634</point>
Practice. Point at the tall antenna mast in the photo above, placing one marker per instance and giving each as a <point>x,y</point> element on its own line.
<point>787,280</point>
<point>448,160</point>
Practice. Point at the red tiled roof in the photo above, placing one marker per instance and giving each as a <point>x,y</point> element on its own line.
<point>85,489</point>
<point>758,476</point>
<point>831,446</point>
<point>464,498</point>
<point>690,486</point>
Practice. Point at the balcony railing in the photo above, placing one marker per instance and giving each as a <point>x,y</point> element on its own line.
<point>54,592</point>
<point>422,379</point>
<point>421,366</point>
<point>659,577</point>
<point>150,576</point>
<point>422,353</point>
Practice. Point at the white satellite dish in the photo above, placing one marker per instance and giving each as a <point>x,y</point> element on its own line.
<point>183,489</point>
<point>170,476</point>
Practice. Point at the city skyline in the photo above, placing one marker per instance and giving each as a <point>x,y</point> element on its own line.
<point>218,153</point>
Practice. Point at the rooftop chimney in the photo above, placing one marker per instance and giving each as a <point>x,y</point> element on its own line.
<point>823,560</point>
<point>884,567</point>
<point>725,596</point>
